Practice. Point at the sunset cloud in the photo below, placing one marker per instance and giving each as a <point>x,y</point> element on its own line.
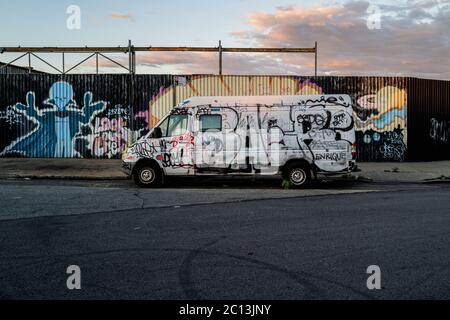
<point>201,63</point>
<point>413,38</point>
<point>413,41</point>
<point>122,16</point>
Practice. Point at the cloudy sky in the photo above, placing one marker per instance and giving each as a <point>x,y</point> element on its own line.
<point>409,37</point>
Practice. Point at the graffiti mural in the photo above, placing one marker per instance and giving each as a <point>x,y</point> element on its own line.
<point>440,131</point>
<point>381,124</point>
<point>12,121</point>
<point>56,124</point>
<point>80,116</point>
<point>384,146</point>
<point>107,135</point>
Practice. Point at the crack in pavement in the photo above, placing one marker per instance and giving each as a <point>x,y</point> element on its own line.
<point>138,195</point>
<point>304,279</point>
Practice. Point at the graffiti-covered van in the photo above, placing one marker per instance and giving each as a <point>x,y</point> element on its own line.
<point>296,137</point>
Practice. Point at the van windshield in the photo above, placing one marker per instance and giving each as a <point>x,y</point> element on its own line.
<point>174,125</point>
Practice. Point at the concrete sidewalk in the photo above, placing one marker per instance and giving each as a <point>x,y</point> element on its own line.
<point>95,169</point>
<point>106,169</point>
<point>436,171</point>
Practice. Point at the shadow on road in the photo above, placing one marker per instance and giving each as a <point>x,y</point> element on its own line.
<point>252,183</point>
<point>193,183</point>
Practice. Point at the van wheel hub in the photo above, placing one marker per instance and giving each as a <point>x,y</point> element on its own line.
<point>297,176</point>
<point>147,175</point>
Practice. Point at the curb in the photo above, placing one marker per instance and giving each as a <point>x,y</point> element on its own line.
<point>31,177</point>
<point>441,179</point>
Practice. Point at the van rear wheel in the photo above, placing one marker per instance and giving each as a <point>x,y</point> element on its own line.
<point>298,174</point>
<point>147,176</point>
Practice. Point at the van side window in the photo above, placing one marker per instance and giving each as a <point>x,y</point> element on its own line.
<point>177,125</point>
<point>210,122</point>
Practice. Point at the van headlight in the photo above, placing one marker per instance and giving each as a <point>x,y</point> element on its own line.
<point>126,154</point>
<point>129,157</point>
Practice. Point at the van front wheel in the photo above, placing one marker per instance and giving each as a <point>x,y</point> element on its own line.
<point>299,175</point>
<point>147,176</point>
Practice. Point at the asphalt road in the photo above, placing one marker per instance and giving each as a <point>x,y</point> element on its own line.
<point>216,242</point>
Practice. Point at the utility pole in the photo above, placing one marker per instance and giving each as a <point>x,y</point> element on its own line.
<point>220,57</point>
<point>315,58</point>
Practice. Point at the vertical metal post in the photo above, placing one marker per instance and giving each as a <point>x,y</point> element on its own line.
<point>220,57</point>
<point>130,58</point>
<point>29,62</point>
<point>174,92</point>
<point>150,124</point>
<point>134,60</point>
<point>63,64</point>
<point>315,60</point>
<point>96,63</point>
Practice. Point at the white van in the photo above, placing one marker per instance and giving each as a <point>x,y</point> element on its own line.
<point>296,137</point>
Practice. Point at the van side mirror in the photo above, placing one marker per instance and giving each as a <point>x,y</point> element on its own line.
<point>157,133</point>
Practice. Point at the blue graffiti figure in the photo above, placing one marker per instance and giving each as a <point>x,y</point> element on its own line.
<point>56,125</point>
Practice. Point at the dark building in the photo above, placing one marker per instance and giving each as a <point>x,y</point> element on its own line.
<point>13,69</point>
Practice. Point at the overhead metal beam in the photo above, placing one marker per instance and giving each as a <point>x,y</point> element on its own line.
<point>131,51</point>
<point>63,49</point>
<point>79,63</point>
<point>144,49</point>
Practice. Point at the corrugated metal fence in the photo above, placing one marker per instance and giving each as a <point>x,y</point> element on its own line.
<point>380,103</point>
<point>97,115</point>
<point>91,116</point>
<point>429,120</point>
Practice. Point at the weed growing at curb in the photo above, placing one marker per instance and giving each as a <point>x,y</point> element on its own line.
<point>286,184</point>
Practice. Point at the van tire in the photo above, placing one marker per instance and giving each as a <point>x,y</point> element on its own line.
<point>148,175</point>
<point>298,175</point>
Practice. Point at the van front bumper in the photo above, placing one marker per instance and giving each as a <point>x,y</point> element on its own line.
<point>127,168</point>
